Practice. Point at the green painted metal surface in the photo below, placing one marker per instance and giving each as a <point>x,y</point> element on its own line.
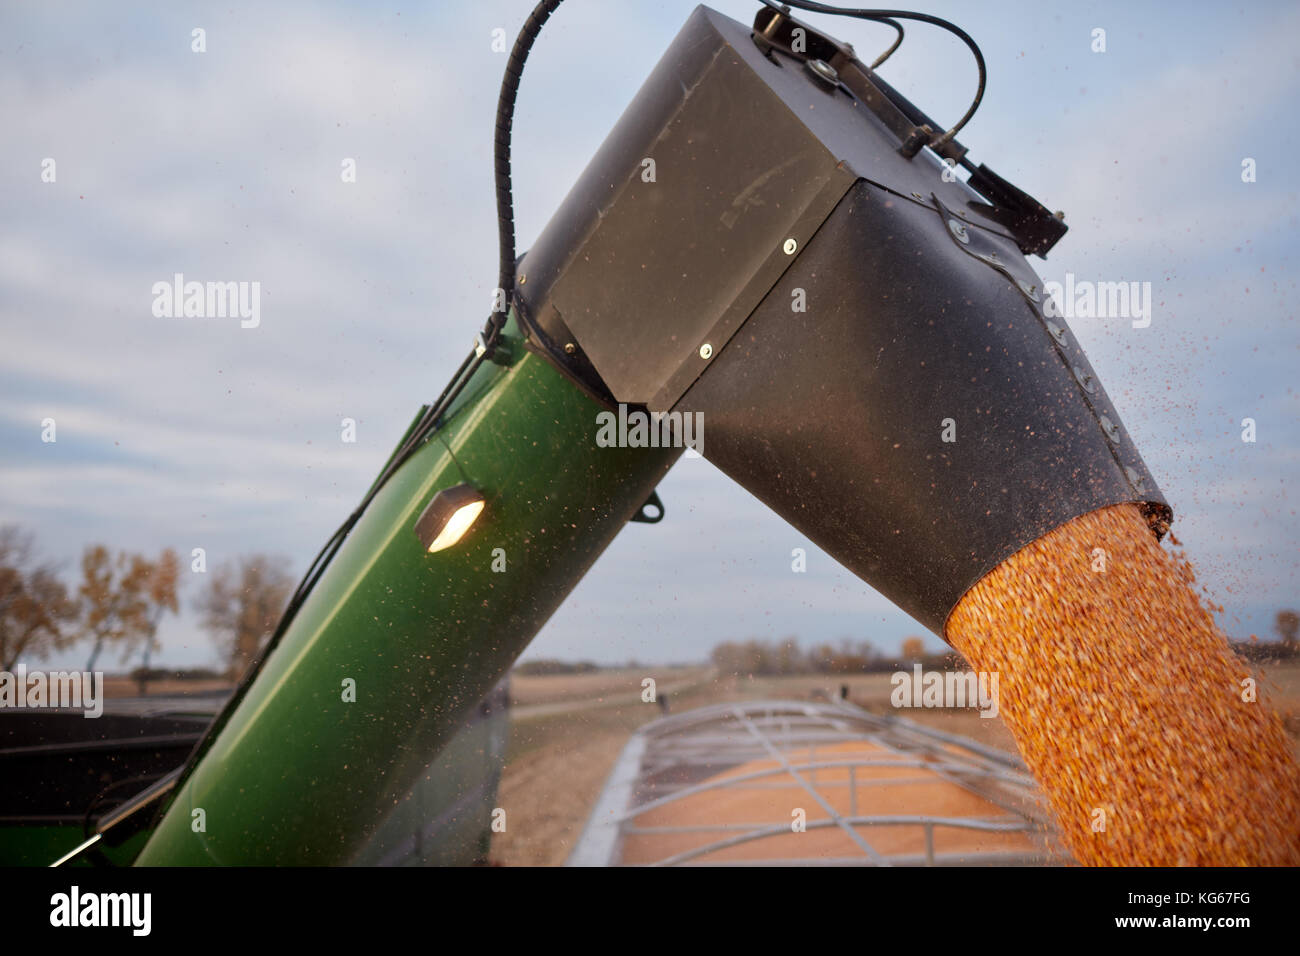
<point>42,844</point>
<point>37,845</point>
<point>446,818</point>
<point>299,776</point>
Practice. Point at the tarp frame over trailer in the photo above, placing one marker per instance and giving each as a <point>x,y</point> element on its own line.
<point>786,733</point>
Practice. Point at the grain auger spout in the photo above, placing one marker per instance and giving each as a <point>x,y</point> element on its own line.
<point>859,330</point>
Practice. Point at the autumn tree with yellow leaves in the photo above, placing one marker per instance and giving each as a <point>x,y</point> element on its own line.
<point>34,605</point>
<point>114,599</point>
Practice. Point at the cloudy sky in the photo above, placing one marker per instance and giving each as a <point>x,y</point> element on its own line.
<point>225,165</point>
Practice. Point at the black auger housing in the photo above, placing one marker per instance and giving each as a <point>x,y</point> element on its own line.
<point>768,238</point>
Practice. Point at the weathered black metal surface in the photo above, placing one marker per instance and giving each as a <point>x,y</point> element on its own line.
<point>749,151</point>
<point>835,416</point>
<point>67,762</point>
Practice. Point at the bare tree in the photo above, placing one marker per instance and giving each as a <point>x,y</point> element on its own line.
<point>34,604</point>
<point>1287,625</point>
<point>242,606</point>
<point>785,657</point>
<point>161,578</point>
<point>114,605</point>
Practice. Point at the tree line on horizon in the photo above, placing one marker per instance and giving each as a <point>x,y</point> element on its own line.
<point>780,658</point>
<point>120,599</point>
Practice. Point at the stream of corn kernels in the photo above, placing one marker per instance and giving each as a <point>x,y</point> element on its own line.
<point>1127,703</point>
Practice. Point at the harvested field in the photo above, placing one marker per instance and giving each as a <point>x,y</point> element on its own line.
<point>558,764</point>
